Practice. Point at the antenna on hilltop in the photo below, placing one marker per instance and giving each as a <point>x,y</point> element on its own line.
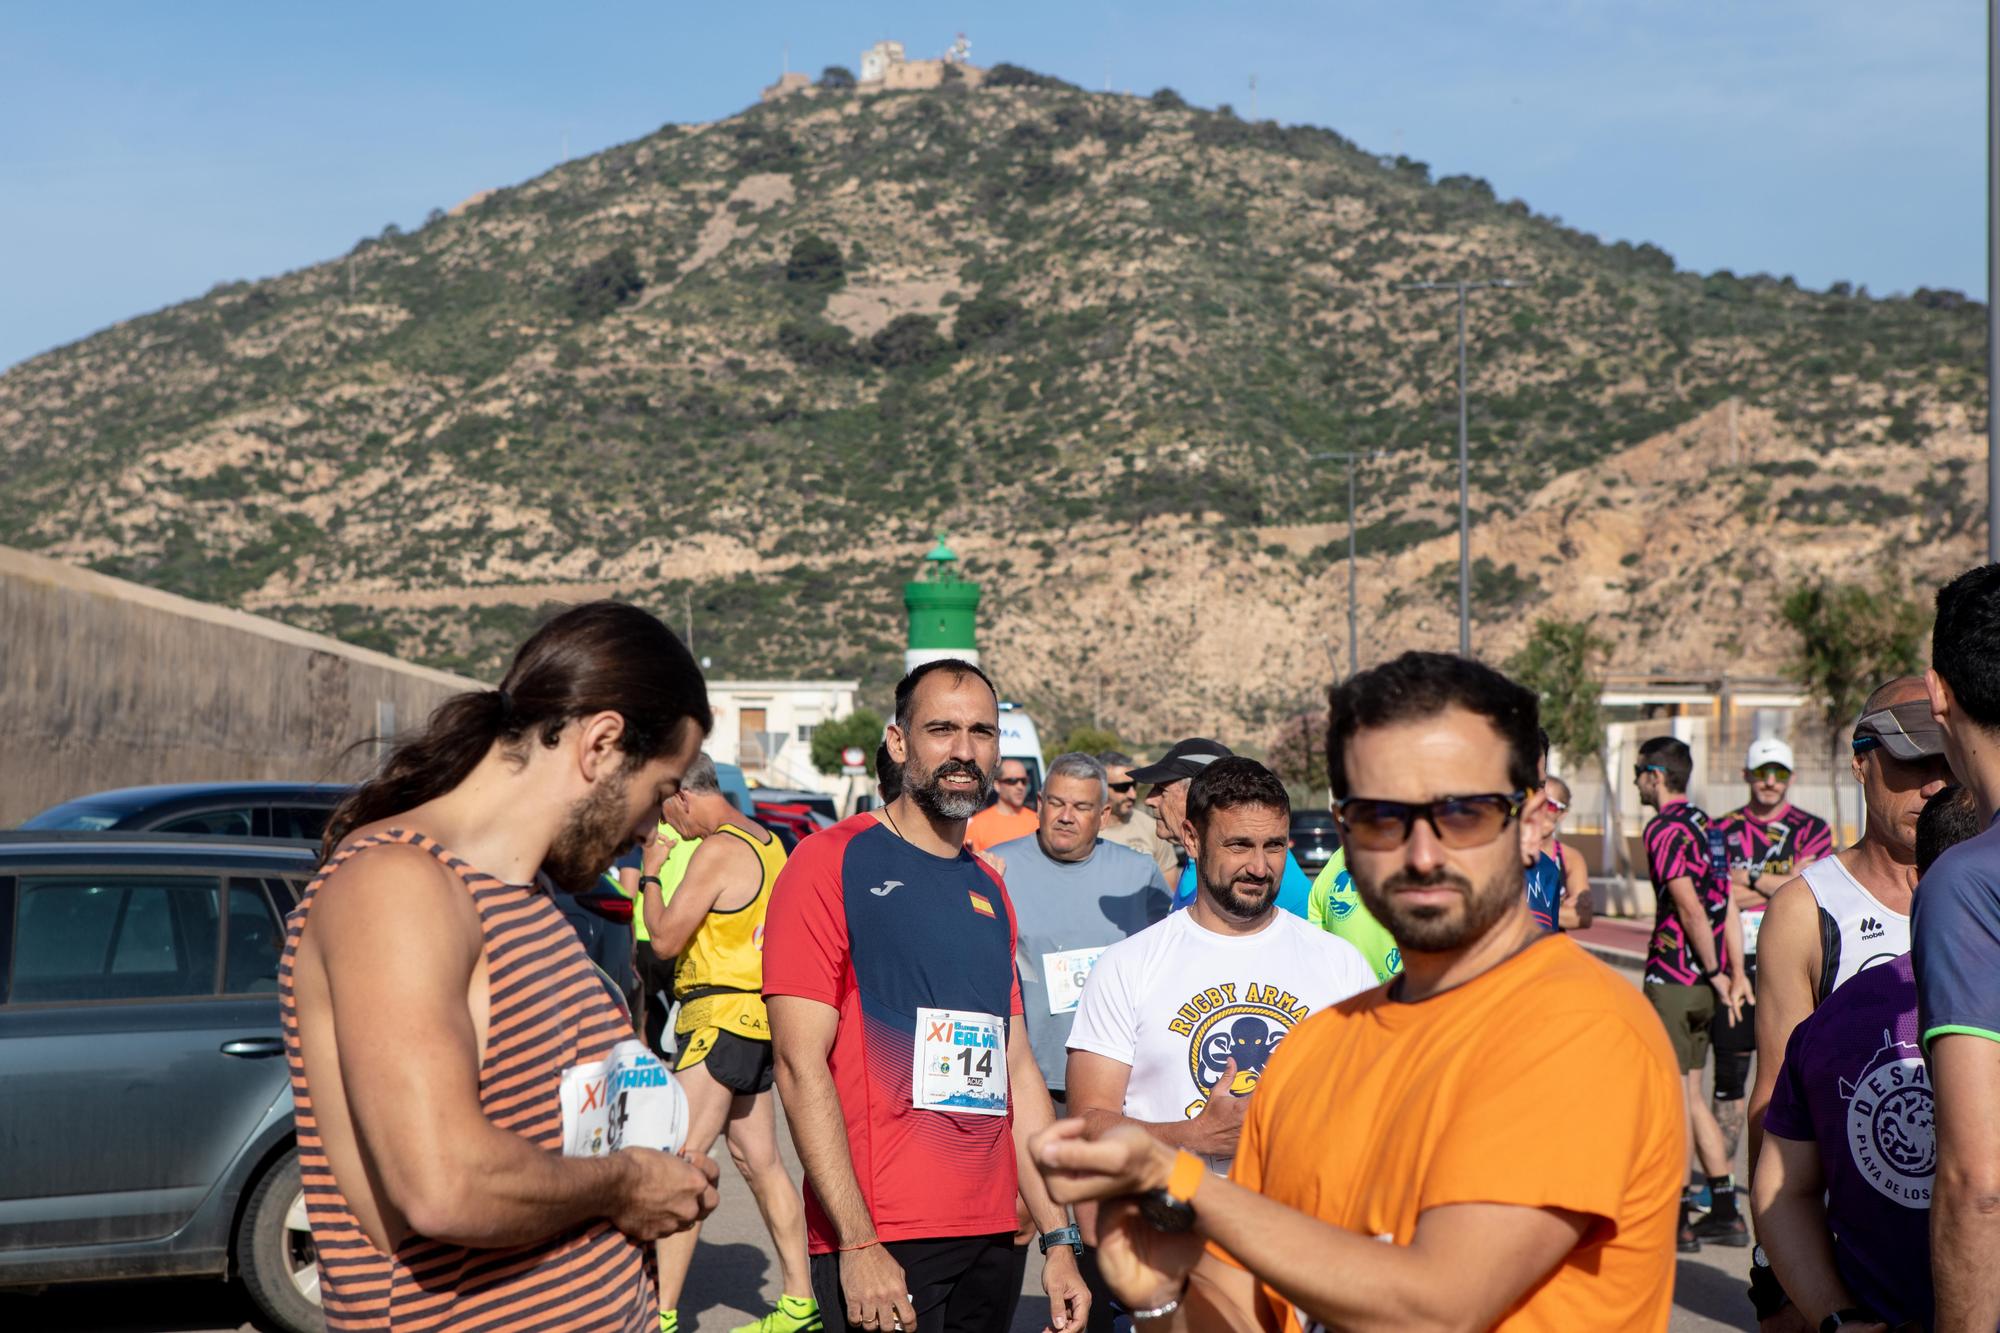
<point>1253,97</point>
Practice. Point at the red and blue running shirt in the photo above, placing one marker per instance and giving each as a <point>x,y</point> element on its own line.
<point>1677,848</point>
<point>864,922</point>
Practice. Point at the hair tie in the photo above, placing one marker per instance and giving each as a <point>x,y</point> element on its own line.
<point>506,702</point>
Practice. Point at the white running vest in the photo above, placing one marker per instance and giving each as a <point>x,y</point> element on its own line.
<point>1855,930</point>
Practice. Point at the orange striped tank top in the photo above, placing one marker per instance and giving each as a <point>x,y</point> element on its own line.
<point>550,1009</point>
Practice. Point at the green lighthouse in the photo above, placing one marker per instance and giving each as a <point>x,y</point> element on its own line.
<point>944,611</point>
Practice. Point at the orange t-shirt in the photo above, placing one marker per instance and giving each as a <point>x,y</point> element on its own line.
<point>996,824</point>
<point>1546,1082</point>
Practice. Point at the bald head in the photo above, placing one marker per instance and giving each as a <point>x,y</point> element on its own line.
<point>1901,690</point>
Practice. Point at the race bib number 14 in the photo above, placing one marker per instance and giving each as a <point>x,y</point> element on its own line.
<point>961,1063</point>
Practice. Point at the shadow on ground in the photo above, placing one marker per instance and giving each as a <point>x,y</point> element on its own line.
<point>729,1276</point>
<point>1712,1293</point>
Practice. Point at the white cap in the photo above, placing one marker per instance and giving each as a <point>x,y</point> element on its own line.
<point>1768,750</point>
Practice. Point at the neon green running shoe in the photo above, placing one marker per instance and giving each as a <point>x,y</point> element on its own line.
<point>792,1316</point>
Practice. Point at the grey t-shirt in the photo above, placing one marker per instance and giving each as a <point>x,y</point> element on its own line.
<point>1065,913</point>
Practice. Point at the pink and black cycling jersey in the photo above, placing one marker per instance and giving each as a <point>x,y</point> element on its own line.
<point>1677,847</point>
<point>1776,847</point>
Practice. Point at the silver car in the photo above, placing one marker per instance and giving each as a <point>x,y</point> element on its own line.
<point>146,1124</point>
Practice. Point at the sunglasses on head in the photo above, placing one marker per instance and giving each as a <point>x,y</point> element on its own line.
<point>1458,821</point>
<point>1124,786</point>
<point>1641,770</point>
<point>1772,773</point>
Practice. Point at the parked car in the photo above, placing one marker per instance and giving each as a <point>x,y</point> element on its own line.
<point>147,1115</point>
<point>224,809</point>
<point>1315,838</point>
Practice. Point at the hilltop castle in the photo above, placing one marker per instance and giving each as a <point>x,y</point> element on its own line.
<point>885,69</point>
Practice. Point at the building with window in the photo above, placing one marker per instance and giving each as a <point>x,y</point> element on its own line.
<point>766,727</point>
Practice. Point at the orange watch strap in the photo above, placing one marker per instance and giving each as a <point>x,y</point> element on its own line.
<point>1186,1177</point>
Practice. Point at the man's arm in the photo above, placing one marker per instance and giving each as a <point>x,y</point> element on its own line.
<point>1464,1267</point>
<point>1788,1202</point>
<point>715,864</point>
<point>1786,946</point>
<point>1578,909</point>
<point>1097,1083</point>
<point>1965,1196</point>
<point>1694,920</point>
<point>397,941</point>
<point>802,1033</point>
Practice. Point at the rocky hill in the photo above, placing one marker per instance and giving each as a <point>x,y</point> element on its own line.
<point>748,368</point>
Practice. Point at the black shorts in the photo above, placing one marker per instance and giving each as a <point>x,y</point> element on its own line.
<point>962,1284</point>
<point>741,1064</point>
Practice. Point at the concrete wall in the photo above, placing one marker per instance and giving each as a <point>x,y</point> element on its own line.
<point>105,683</point>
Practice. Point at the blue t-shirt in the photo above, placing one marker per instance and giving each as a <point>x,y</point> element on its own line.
<point>1854,1085</point>
<point>1955,936</point>
<point>1545,891</point>
<point>1294,888</point>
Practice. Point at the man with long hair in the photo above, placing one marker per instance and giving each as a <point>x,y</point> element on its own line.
<point>433,999</point>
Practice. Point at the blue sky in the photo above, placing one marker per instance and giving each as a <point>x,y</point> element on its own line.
<point>153,150</point>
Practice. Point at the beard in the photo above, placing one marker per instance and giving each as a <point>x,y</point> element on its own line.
<point>591,837</point>
<point>1244,897</point>
<point>1425,928</point>
<point>923,788</point>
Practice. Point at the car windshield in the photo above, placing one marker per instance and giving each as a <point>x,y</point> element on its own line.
<point>83,818</point>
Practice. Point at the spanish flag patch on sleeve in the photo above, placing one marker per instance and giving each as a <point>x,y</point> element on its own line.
<point>980,903</point>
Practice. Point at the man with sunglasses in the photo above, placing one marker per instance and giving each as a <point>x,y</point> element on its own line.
<point>1850,910</point>
<point>1125,825</point>
<point>1008,817</point>
<point>1767,840</point>
<point>1380,1181</point>
<point>1694,964</point>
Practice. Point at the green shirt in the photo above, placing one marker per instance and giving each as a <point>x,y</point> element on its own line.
<point>1336,908</point>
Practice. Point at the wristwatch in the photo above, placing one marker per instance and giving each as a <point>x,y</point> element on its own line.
<point>1839,1318</point>
<point>1172,1209</point>
<point>654,880</point>
<point>1071,1235</point>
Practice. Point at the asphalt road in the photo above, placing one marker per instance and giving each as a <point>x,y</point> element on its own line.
<point>735,1278</point>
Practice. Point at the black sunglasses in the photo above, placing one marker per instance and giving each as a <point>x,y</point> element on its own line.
<point>1458,821</point>
<point>1641,770</point>
<point>1124,786</point>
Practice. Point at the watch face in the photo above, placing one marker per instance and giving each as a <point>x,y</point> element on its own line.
<point>1163,1212</point>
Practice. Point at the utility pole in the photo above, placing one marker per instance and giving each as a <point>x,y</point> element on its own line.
<point>1992,278</point>
<point>1253,97</point>
<point>1462,286</point>
<point>1353,634</point>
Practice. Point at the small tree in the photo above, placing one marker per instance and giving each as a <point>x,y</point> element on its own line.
<point>861,728</point>
<point>604,284</point>
<point>1852,637</point>
<point>836,78</point>
<point>908,340</point>
<point>815,265</point>
<point>1082,740</point>
<point>1298,751</point>
<point>1560,663</point>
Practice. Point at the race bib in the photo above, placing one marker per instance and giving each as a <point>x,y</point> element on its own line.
<point>1065,974</point>
<point>626,1100</point>
<point>1752,923</point>
<point>961,1063</point>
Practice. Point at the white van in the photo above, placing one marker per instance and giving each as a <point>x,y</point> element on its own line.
<point>1019,739</point>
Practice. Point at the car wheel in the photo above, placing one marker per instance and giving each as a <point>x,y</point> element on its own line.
<point>274,1250</point>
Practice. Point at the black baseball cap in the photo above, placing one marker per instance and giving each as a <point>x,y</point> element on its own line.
<point>1185,760</point>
